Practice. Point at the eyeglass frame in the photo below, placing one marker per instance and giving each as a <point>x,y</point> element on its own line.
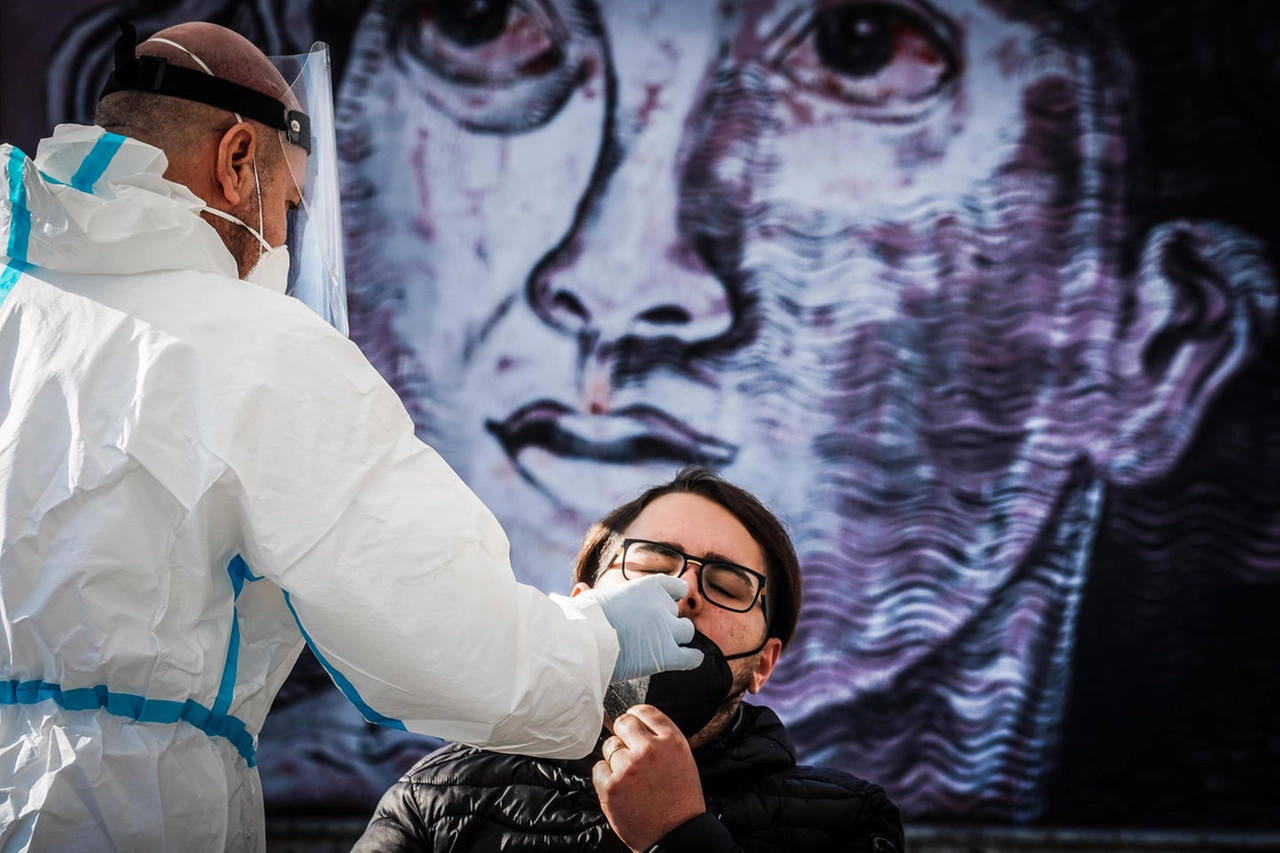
<point>702,563</point>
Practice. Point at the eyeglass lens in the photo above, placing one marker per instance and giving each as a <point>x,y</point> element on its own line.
<point>723,584</point>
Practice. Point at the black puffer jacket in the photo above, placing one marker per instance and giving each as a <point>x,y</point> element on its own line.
<point>758,798</point>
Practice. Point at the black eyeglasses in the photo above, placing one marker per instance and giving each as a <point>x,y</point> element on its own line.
<point>726,585</point>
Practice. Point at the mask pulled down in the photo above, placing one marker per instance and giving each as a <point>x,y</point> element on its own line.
<point>690,698</point>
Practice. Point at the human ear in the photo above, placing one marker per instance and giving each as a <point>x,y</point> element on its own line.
<point>233,167</point>
<point>765,661</point>
<point>1199,306</point>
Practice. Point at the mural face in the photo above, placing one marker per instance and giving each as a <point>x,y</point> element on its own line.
<point>744,240</point>
<point>862,257</point>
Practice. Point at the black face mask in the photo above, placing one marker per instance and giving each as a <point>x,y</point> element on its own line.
<point>689,697</point>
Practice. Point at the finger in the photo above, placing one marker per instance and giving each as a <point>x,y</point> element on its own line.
<point>632,730</point>
<point>601,777</point>
<point>675,587</point>
<point>655,720</point>
<point>682,630</point>
<point>683,658</point>
<point>616,756</point>
<point>611,745</point>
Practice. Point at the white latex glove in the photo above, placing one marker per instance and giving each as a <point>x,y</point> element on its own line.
<point>646,618</point>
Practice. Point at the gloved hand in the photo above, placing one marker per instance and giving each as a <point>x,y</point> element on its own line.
<point>644,614</point>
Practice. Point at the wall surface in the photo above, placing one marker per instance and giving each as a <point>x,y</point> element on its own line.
<point>979,296</point>
<point>30,34</point>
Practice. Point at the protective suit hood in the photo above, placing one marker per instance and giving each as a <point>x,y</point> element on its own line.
<point>103,208</point>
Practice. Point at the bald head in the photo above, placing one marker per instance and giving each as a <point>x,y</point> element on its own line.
<point>228,54</point>
<point>175,124</point>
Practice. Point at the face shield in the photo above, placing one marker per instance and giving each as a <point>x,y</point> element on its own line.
<point>304,125</point>
<point>316,271</point>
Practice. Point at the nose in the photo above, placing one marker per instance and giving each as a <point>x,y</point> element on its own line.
<point>631,267</point>
<point>692,604</point>
<point>616,280</point>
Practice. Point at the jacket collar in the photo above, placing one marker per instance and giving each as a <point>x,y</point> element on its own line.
<point>757,742</point>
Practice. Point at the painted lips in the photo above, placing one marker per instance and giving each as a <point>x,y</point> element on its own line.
<point>633,434</point>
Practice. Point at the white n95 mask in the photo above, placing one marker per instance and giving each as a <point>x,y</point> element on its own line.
<point>272,269</point>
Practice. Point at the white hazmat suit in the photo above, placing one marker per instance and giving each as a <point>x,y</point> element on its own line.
<point>151,610</point>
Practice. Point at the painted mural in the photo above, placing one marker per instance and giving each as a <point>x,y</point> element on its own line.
<point>980,295</point>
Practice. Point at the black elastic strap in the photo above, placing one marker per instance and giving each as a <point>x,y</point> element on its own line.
<point>155,74</point>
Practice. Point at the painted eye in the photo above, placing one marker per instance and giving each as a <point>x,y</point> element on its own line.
<point>469,23</point>
<point>874,54</point>
<point>493,66</point>
<point>486,42</point>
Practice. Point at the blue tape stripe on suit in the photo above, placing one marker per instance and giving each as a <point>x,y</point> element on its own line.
<point>134,707</point>
<point>348,689</point>
<point>19,224</point>
<point>96,162</point>
<point>238,571</point>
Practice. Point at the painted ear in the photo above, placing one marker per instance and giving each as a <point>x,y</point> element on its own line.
<point>233,169</point>
<point>1200,306</point>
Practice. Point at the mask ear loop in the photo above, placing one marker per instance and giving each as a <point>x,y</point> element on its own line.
<point>754,651</point>
<point>257,184</point>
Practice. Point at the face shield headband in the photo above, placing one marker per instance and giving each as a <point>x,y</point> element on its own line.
<point>317,274</point>
<point>155,74</point>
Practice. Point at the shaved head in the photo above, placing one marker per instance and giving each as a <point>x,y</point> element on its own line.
<point>175,124</point>
<point>228,54</point>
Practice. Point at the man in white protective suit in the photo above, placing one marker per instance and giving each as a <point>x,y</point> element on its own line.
<point>198,475</point>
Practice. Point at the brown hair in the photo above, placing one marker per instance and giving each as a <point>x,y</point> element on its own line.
<point>782,567</point>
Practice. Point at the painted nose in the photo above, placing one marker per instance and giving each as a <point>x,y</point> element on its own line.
<point>586,288</point>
